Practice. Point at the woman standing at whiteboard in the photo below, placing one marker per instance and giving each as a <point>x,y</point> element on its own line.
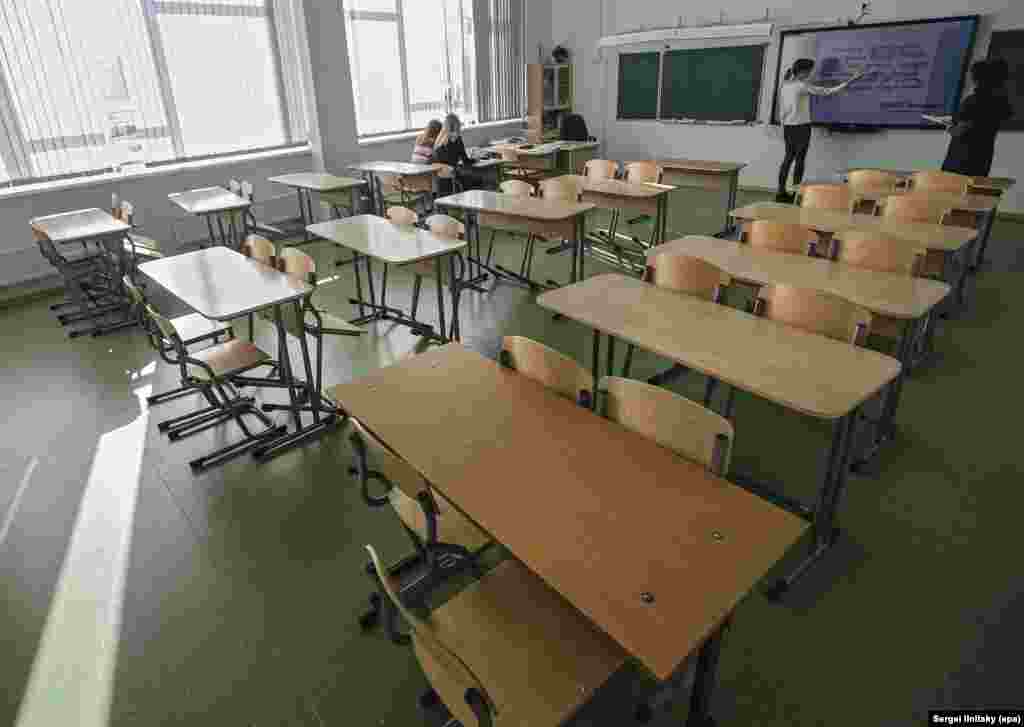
<point>974,127</point>
<point>795,115</point>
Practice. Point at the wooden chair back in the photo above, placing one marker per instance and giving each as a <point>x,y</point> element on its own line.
<point>826,197</point>
<point>297,263</point>
<point>446,226</point>
<point>912,208</point>
<point>780,237</point>
<point>258,248</point>
<point>598,169</point>
<point>516,187</point>
<point>446,672</point>
<point>935,180</point>
<point>871,251</point>
<point>873,180</point>
<point>372,455</point>
<point>402,216</point>
<point>548,367</point>
<point>672,421</point>
<point>814,311</point>
<point>565,188</point>
<point>640,172</point>
<point>687,274</point>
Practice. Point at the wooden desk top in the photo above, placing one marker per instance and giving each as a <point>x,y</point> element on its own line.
<point>222,284</point>
<point>404,169</point>
<point>933,237</point>
<point>703,166</point>
<point>895,296</point>
<point>619,188</point>
<point>961,202</point>
<point>316,181</point>
<point>811,374</point>
<point>507,204</point>
<point>996,184</point>
<point>383,240</point>
<point>208,200</point>
<point>78,225</point>
<point>546,477</point>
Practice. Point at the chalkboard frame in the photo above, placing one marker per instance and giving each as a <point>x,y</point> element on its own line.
<point>968,56</point>
<point>1015,39</point>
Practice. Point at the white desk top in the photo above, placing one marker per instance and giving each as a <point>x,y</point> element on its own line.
<point>888,294</point>
<point>221,284</point>
<point>513,206</point>
<point>208,200</point>
<point>316,181</point>
<point>405,169</point>
<point>383,240</point>
<point>78,225</point>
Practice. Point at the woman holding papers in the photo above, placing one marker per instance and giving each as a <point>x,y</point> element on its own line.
<point>974,127</point>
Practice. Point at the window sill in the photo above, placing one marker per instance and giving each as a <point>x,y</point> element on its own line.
<point>160,171</point>
<point>406,135</point>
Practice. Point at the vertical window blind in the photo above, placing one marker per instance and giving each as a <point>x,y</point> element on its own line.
<point>90,86</point>
<point>413,61</point>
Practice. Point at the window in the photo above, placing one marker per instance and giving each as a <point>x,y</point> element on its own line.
<point>413,61</point>
<point>90,86</point>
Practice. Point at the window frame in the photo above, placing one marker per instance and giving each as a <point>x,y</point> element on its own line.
<point>19,168</point>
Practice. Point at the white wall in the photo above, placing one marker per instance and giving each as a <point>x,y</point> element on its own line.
<point>333,138</point>
<point>579,24</point>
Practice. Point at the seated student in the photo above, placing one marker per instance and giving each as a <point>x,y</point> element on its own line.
<point>423,151</point>
<point>451,150</point>
<point>973,131</point>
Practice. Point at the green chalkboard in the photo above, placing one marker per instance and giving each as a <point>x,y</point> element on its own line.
<point>712,84</point>
<point>638,85</point>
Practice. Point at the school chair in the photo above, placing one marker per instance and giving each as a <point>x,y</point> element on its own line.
<point>780,237</point>
<point>445,542</point>
<point>874,182</point>
<point>212,371</point>
<point>246,191</point>
<point>919,208</point>
<point>507,650</point>
<point>934,180</point>
<point>567,189</point>
<point>825,197</point>
<point>688,276</point>
<point>644,172</point>
<point>138,247</point>
<point>192,328</point>
<point>551,369</point>
<point>263,250</point>
<point>598,169</point>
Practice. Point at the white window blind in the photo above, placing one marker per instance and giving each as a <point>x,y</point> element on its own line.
<point>90,86</point>
<point>413,61</point>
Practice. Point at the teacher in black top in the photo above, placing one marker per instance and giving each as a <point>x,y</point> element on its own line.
<point>975,125</point>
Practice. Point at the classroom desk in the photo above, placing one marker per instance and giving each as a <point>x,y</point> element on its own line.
<point>372,171</point>
<point>549,218</point>
<point>567,156</point>
<point>306,183</point>
<point>375,238</point>
<point>658,565</point>
<point>619,196</point>
<point>216,202</point>
<point>98,227</point>
<point>810,374</point>
<point>222,285</point>
<point>951,242</point>
<point>901,297</point>
<point>704,174</point>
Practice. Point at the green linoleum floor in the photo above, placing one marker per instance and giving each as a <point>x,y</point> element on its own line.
<point>243,585</point>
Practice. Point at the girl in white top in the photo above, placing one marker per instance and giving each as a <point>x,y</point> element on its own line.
<point>795,115</point>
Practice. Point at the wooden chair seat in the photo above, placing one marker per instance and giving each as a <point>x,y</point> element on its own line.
<point>225,359</point>
<point>538,658</point>
<point>452,526</point>
<point>194,327</point>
